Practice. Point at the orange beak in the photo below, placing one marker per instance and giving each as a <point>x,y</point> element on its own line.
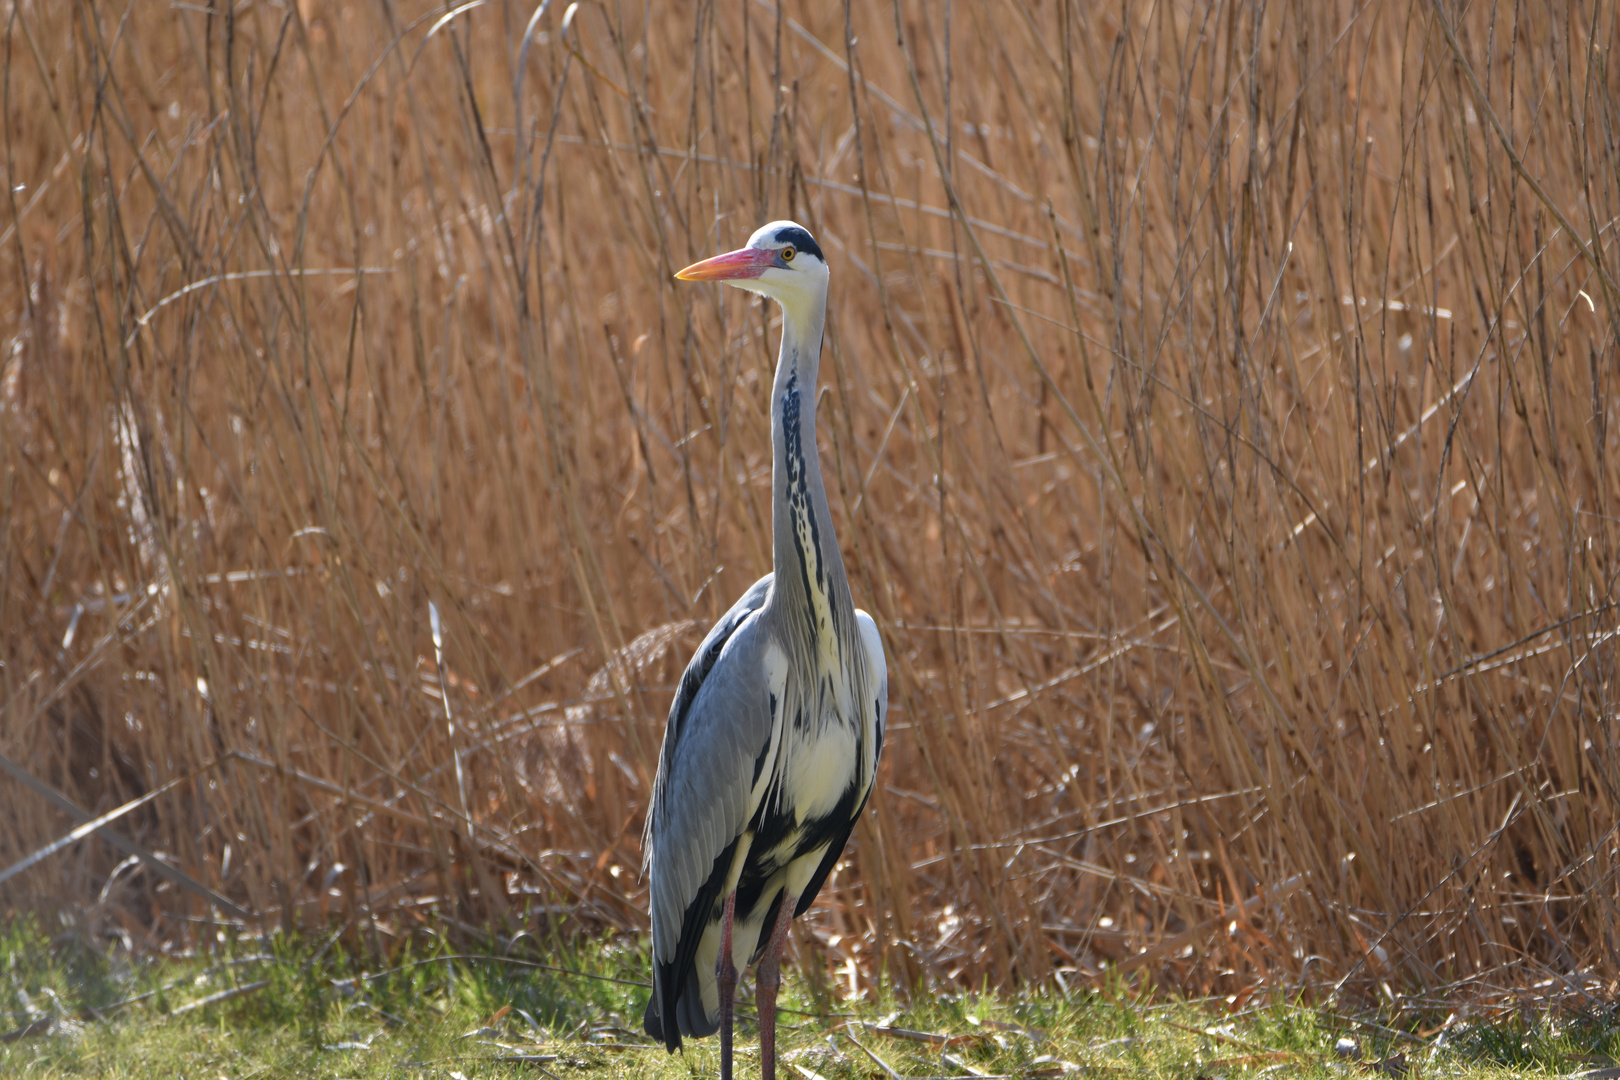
<point>733,266</point>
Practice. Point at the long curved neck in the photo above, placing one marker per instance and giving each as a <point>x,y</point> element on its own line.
<point>809,568</point>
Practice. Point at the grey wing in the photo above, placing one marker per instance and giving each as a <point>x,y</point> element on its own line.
<point>718,727</point>
<point>696,676</point>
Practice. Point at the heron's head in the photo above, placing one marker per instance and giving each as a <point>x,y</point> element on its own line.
<point>781,260</point>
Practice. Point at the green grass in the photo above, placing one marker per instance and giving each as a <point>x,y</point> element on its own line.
<point>438,1012</point>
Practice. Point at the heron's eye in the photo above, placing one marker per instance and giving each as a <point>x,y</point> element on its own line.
<point>787,254</point>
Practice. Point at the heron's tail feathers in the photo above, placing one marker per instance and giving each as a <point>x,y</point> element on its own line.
<point>691,1017</point>
<point>653,1024</point>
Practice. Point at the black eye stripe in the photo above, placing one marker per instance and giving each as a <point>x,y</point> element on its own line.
<point>801,241</point>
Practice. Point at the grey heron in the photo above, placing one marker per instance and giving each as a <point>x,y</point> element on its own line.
<point>773,738</point>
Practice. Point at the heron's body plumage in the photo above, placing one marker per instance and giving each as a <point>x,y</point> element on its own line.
<point>773,740</point>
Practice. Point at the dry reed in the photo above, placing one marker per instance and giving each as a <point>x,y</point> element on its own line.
<point>1220,423</point>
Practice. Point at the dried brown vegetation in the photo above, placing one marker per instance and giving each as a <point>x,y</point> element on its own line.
<point>1220,416</point>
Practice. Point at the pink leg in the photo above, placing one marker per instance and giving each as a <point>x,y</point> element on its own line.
<point>726,971</point>
<point>769,977</point>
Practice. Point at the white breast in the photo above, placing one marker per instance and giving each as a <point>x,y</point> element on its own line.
<point>819,771</point>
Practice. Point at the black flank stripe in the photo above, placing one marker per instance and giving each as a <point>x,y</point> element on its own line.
<point>759,762</point>
<point>832,830</point>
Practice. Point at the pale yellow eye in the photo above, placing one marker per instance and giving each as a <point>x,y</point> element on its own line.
<point>787,254</point>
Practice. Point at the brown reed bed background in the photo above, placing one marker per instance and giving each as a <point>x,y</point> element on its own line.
<point>1220,419</point>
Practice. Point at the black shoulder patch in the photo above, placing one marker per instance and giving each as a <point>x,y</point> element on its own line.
<point>801,240</point>
<point>764,751</point>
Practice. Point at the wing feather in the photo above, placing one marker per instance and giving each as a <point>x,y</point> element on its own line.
<point>718,725</point>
